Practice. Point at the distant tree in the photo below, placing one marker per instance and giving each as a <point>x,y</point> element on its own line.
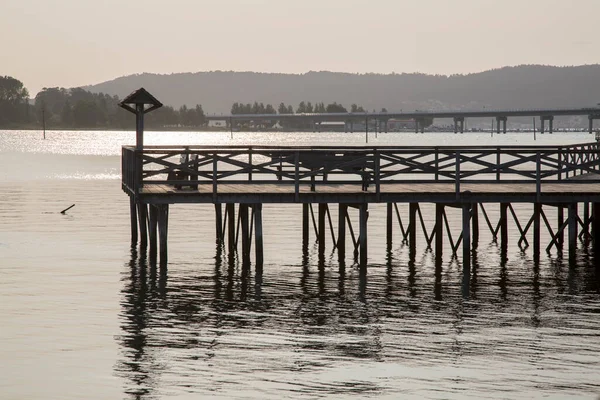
<point>14,101</point>
<point>356,109</point>
<point>335,108</point>
<point>66,115</point>
<point>86,114</point>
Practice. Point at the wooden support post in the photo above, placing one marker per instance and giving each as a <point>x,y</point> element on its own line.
<point>389,225</point>
<point>475,224</point>
<point>412,226</point>
<point>321,238</point>
<point>503,228</point>
<point>561,234</point>
<point>586,220</point>
<point>537,208</point>
<point>258,236</point>
<point>133,214</point>
<point>439,231</point>
<point>572,230</point>
<point>305,225</point>
<point>341,243</point>
<point>466,239</point>
<point>596,230</point>
<point>143,224</point>
<point>152,227</point>
<point>219,222</point>
<point>230,210</point>
<point>163,230</point>
<point>363,215</point>
<point>243,210</point>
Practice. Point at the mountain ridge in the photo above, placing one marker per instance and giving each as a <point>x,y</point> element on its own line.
<point>524,86</point>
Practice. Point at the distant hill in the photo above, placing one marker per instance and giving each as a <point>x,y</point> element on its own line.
<point>526,86</point>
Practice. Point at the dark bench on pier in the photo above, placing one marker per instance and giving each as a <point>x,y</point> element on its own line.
<point>178,175</point>
<point>321,163</point>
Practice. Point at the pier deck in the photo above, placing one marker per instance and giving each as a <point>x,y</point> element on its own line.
<point>564,178</point>
<point>584,191</point>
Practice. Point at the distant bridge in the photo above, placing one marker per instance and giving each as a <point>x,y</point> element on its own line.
<point>419,117</point>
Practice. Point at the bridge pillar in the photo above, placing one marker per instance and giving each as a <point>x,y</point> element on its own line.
<point>591,119</point>
<point>542,124</point>
<point>459,124</point>
<point>550,120</point>
<point>503,121</point>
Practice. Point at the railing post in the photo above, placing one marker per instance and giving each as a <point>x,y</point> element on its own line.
<point>250,163</point>
<point>437,164</point>
<point>214,177</point>
<point>560,163</point>
<point>297,175</point>
<point>377,180</point>
<point>139,171</point>
<point>498,163</point>
<point>457,175</point>
<point>538,179</point>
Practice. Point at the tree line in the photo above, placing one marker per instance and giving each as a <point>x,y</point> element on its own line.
<point>304,107</point>
<point>80,109</point>
<point>76,108</point>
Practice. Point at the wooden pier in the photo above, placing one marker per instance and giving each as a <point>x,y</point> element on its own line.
<point>472,178</point>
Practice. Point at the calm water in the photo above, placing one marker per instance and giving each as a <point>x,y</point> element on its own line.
<point>84,316</point>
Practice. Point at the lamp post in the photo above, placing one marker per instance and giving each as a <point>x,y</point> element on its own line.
<point>139,103</point>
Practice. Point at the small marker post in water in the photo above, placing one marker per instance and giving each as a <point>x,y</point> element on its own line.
<point>67,209</point>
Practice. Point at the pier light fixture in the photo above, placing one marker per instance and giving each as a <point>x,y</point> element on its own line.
<point>139,103</point>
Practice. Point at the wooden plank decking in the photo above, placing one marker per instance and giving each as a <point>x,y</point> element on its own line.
<point>433,192</point>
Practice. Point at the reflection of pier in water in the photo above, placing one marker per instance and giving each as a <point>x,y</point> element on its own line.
<point>320,312</point>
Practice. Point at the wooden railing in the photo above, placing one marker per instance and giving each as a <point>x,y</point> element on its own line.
<point>202,165</point>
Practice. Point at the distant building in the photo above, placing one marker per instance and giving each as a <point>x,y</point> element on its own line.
<point>400,124</point>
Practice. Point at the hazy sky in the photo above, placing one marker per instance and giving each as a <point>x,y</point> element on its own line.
<point>78,42</point>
